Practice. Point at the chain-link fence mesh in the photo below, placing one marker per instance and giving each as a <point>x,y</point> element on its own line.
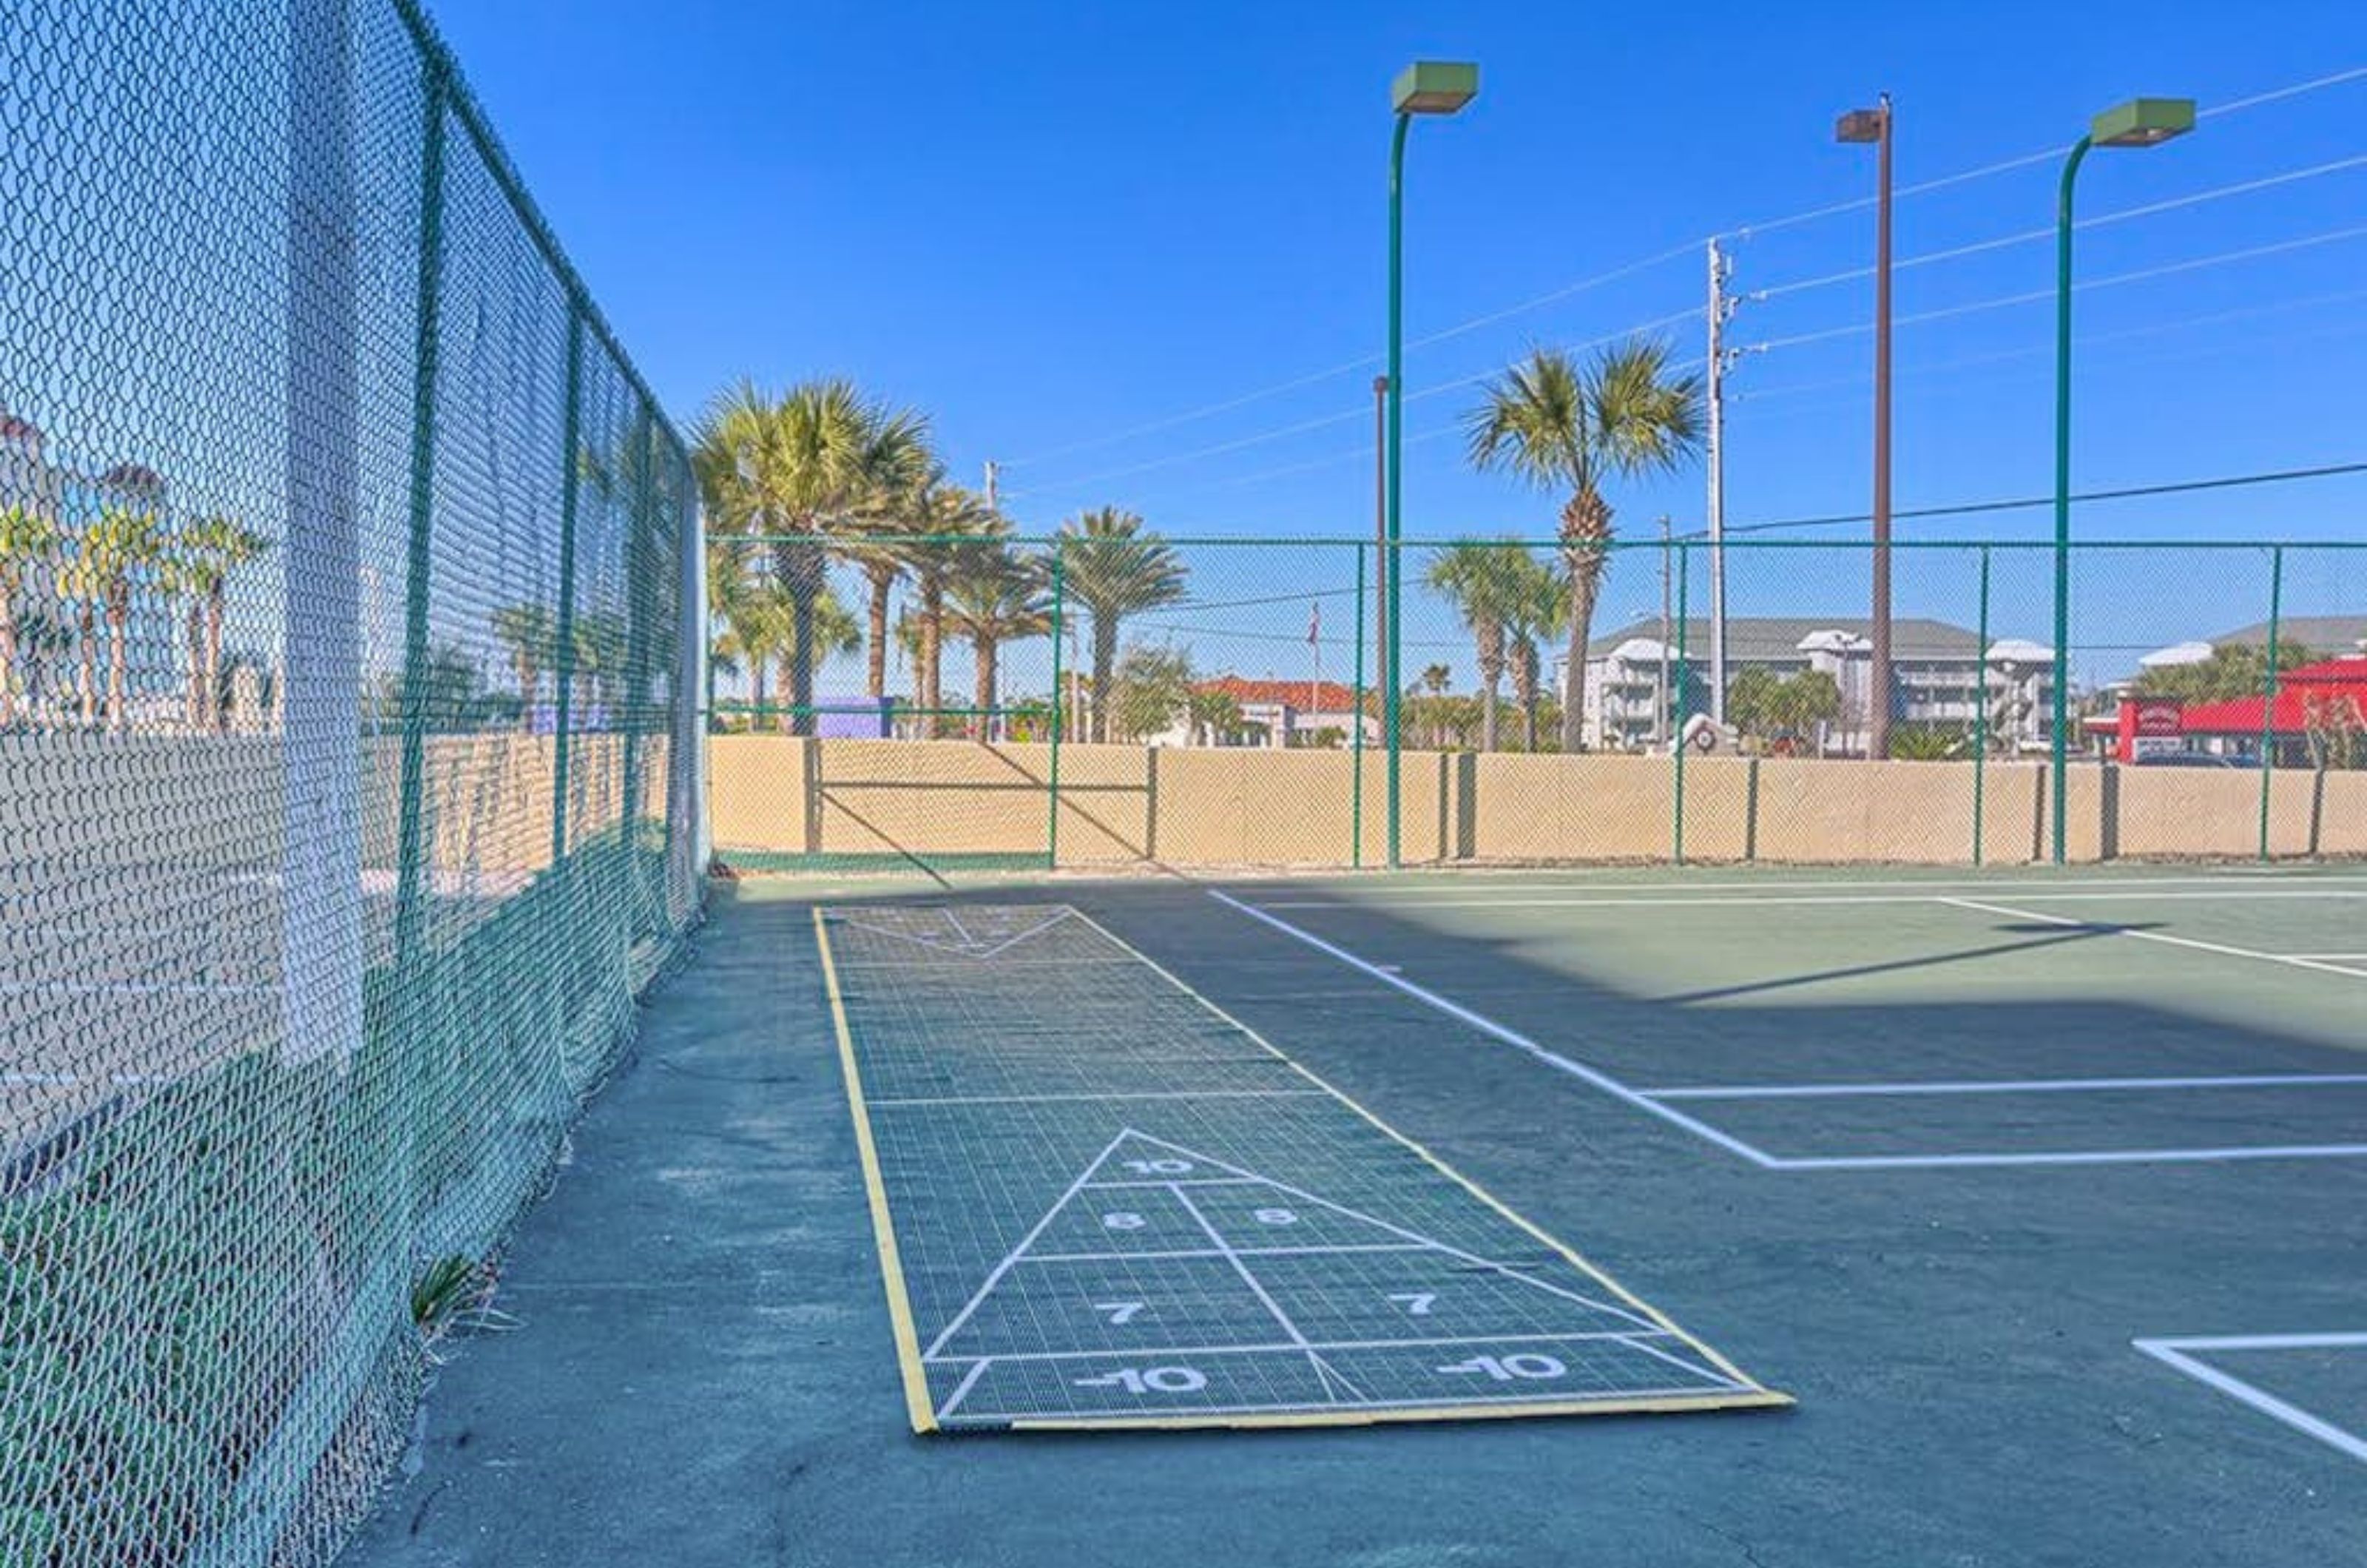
<point>347,764</point>
<point>1233,708</point>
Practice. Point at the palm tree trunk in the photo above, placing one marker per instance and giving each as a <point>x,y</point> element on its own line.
<point>980,725</point>
<point>1104,661</point>
<point>883,582</point>
<point>197,688</point>
<point>932,635</point>
<point>8,656</point>
<point>118,613</point>
<point>86,663</point>
<point>798,566</point>
<point>215,709</point>
<point>1488,713</point>
<point>1585,532</point>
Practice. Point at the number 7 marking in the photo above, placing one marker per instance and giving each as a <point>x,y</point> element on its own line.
<point>1119,1312</point>
<point>1416,1302</point>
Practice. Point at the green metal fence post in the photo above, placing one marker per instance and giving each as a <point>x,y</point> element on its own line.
<point>1981,715</point>
<point>1677,828</point>
<point>635,690</point>
<point>563,652</point>
<point>1060,606</point>
<point>2269,689</point>
<point>411,827</point>
<point>1356,779</point>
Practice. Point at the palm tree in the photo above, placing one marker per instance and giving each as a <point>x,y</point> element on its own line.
<point>1115,569</point>
<point>947,516</point>
<point>1556,424</point>
<point>1435,679</point>
<point>1533,608</point>
<point>27,537</point>
<point>762,632</point>
<point>791,468</point>
<point>1477,577</point>
<point>202,558</point>
<point>109,555</point>
<point>993,596</point>
<point>532,634</point>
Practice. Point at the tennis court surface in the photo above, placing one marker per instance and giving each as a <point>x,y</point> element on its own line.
<point>2039,1194</point>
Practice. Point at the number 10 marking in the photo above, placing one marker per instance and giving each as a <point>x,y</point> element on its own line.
<point>1504,1369</point>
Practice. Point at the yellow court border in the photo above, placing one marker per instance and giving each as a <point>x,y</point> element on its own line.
<point>1753,1395</point>
<point>883,1222</point>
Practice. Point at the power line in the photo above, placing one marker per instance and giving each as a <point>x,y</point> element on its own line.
<point>2002,242</point>
<point>1999,301</point>
<point>1281,433</point>
<point>1791,388</point>
<point>2026,504</point>
<point>1690,247</point>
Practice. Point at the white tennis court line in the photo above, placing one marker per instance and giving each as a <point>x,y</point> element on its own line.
<point>2194,943</point>
<point>1994,1086</point>
<point>1750,901</point>
<point>2232,1154</point>
<point>1653,1100</point>
<point>1514,1038</point>
<point>2331,957</point>
<point>2183,1354</point>
<point>1483,880</point>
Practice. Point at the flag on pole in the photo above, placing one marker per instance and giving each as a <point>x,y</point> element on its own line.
<point>1315,622</point>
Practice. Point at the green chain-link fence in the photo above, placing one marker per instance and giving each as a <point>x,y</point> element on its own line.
<point>1213,703</point>
<point>348,788</point>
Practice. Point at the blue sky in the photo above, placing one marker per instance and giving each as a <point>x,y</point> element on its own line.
<point>1048,225</point>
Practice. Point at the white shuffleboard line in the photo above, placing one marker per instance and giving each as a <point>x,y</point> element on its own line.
<point>994,1276</point>
<point>1995,1086</point>
<point>1294,1347</point>
<point>906,1100</point>
<point>1619,1399</point>
<point>2180,1356</point>
<point>2193,944</point>
<point>961,1390</point>
<point>1514,1038</point>
<point>1169,1253</point>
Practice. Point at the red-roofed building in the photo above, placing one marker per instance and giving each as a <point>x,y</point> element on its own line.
<point>2312,700</point>
<point>1281,713</point>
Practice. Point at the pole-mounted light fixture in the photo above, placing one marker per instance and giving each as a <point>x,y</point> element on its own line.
<point>1427,86</point>
<point>2140,122</point>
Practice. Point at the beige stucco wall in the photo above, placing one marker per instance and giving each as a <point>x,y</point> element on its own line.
<point>1208,807</point>
<point>2342,815</point>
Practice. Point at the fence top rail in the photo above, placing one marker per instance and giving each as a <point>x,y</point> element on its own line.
<point>1648,543</point>
<point>437,57</point>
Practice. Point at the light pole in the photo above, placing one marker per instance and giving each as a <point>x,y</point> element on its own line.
<point>1863,125</point>
<point>1427,86</point>
<point>2140,122</point>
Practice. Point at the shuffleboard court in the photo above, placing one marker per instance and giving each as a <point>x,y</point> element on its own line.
<point>1103,1202</point>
